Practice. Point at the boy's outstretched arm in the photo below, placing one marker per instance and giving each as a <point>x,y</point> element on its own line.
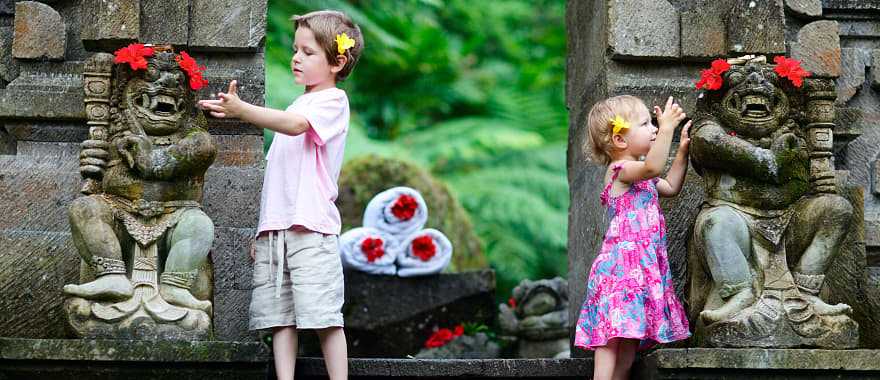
<point>231,106</point>
<point>671,185</point>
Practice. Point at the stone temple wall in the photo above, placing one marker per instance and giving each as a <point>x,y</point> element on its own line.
<point>42,121</point>
<point>656,48</point>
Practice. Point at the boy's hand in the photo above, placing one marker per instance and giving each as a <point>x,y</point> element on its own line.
<point>685,139</point>
<point>229,105</point>
<point>670,117</point>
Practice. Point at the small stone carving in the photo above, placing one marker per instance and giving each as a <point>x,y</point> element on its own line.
<point>139,227</point>
<point>536,318</point>
<point>772,222</point>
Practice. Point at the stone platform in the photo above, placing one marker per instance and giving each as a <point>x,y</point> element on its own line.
<point>753,363</point>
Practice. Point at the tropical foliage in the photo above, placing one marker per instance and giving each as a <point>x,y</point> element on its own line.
<point>472,91</point>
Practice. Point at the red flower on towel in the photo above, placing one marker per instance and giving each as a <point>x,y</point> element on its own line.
<point>423,247</point>
<point>710,79</point>
<point>405,207</point>
<point>790,68</point>
<point>442,336</point>
<point>193,70</point>
<point>134,55</point>
<point>373,248</point>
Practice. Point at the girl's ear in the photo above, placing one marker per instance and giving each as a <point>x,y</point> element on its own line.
<point>341,60</point>
<point>618,141</point>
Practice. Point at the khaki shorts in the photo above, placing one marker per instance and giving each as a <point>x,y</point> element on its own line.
<point>297,281</point>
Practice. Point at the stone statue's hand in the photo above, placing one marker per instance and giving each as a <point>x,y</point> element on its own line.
<point>133,148</point>
<point>787,142</point>
<point>93,158</point>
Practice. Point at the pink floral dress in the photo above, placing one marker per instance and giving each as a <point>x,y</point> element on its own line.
<point>630,292</point>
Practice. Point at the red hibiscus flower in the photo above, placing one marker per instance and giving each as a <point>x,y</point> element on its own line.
<point>373,248</point>
<point>710,79</point>
<point>732,133</point>
<point>134,55</point>
<point>423,247</point>
<point>442,336</point>
<point>193,70</point>
<point>511,302</point>
<point>405,207</point>
<point>790,68</point>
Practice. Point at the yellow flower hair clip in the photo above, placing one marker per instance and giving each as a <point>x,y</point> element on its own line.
<point>343,43</point>
<point>618,124</point>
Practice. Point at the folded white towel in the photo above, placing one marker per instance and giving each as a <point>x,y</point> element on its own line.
<point>368,250</point>
<point>398,211</point>
<point>426,252</point>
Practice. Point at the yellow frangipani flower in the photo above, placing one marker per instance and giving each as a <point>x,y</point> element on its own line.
<point>343,43</point>
<point>618,124</point>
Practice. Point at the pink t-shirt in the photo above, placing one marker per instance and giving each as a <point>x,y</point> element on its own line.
<point>299,186</point>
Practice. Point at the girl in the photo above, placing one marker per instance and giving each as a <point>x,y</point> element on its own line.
<point>630,300</point>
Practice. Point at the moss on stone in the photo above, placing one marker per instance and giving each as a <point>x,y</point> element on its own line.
<point>364,177</point>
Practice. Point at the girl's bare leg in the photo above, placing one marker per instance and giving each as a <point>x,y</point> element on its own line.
<point>605,360</point>
<point>626,353</point>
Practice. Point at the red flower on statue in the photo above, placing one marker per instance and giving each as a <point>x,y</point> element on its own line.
<point>193,70</point>
<point>710,79</point>
<point>423,247</point>
<point>790,68</point>
<point>134,55</point>
<point>405,207</point>
<point>511,302</point>
<point>373,248</point>
<point>442,336</point>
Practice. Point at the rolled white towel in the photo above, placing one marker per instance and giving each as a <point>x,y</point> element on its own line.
<point>368,250</point>
<point>398,211</point>
<point>426,252</point>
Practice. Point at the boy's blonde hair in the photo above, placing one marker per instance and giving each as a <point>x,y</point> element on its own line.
<point>326,25</point>
<point>599,123</point>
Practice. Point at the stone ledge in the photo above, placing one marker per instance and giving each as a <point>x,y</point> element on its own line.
<point>434,368</point>
<point>765,359</point>
<point>136,351</point>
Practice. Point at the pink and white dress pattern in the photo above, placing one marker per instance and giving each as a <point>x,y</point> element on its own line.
<point>630,292</point>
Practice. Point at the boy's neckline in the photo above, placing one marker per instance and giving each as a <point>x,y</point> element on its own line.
<point>322,90</point>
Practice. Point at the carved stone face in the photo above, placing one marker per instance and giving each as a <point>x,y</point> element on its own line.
<point>157,96</point>
<point>754,104</point>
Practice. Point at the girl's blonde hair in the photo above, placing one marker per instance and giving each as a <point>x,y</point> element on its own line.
<point>599,123</point>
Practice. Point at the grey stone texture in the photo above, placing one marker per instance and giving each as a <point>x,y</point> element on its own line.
<point>110,23</point>
<point>8,65</point>
<point>164,21</point>
<point>854,64</point>
<point>818,48</point>
<point>756,27</point>
<point>643,28</point>
<point>7,7</point>
<point>228,24</point>
<point>875,62</point>
<point>804,8</point>
<point>701,33</point>
<point>39,32</point>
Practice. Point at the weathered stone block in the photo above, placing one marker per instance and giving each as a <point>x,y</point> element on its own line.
<point>164,22</point>
<point>701,33</point>
<point>7,7</point>
<point>39,32</point>
<point>231,315</point>
<point>227,24</point>
<point>34,266</point>
<point>875,68</point>
<point>8,66</point>
<point>232,196</point>
<point>110,23</point>
<point>239,150</point>
<point>851,5</point>
<point>413,307</point>
<point>643,28</point>
<point>805,8</point>
<point>231,255</point>
<point>852,76</point>
<point>45,91</point>
<point>756,27</point>
<point>34,192</point>
<point>818,48</point>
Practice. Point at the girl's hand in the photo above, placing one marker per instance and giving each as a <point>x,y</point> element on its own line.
<point>685,139</point>
<point>671,115</point>
<point>228,106</point>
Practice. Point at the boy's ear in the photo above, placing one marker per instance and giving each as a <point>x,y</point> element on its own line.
<point>341,60</point>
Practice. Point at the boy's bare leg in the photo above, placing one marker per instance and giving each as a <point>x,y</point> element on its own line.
<point>335,352</point>
<point>284,345</point>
